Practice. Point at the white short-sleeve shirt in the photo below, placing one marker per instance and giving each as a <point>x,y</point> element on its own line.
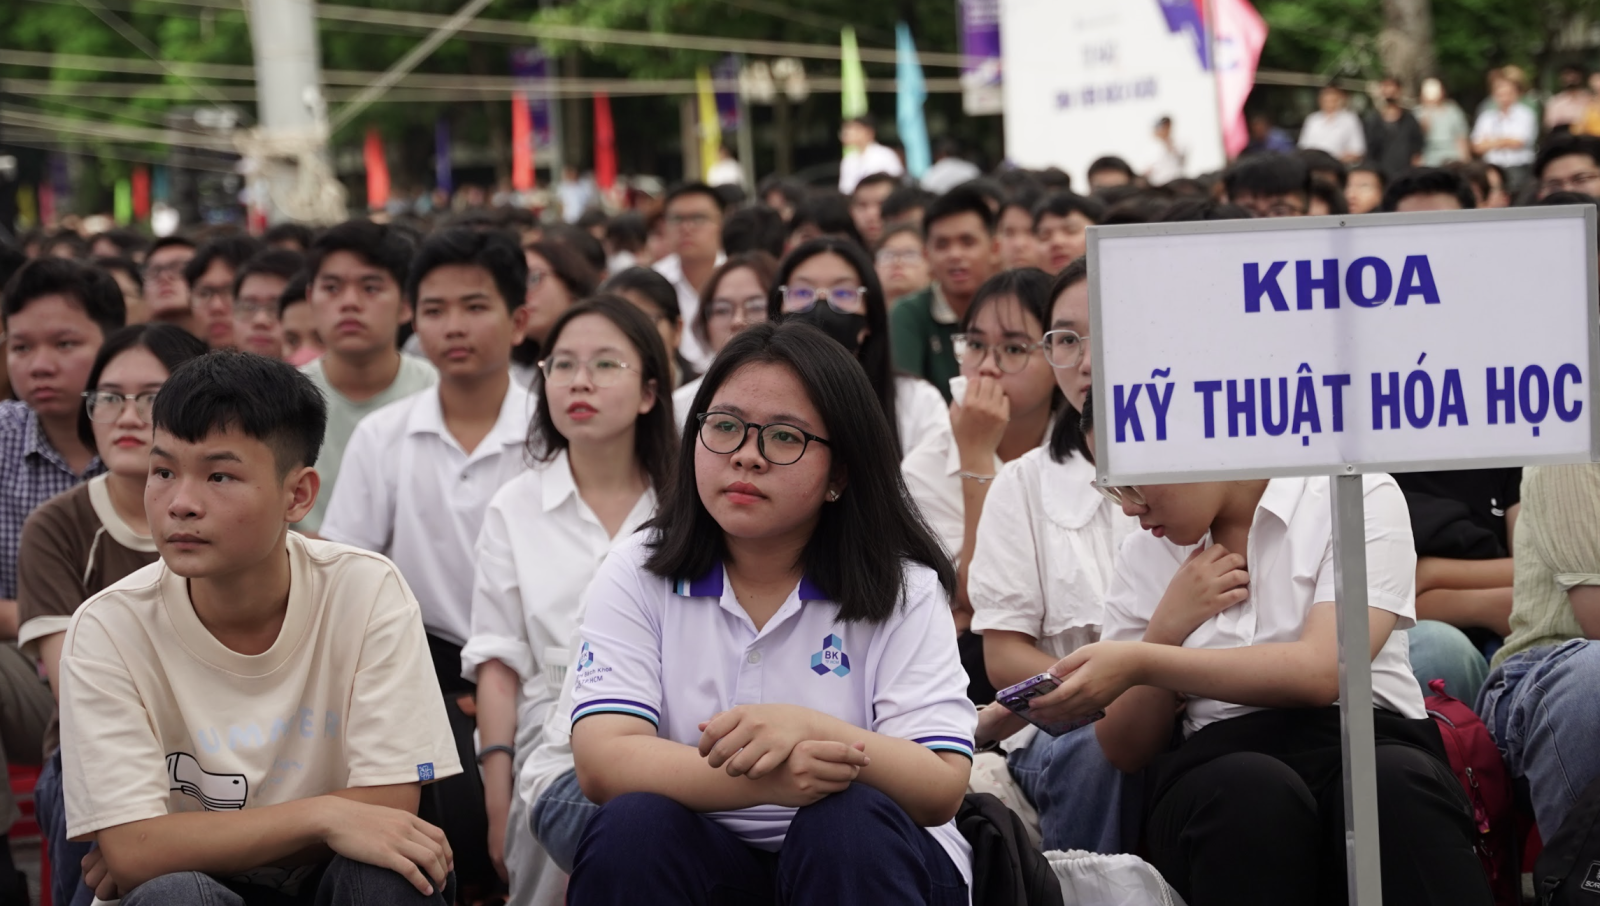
<point>1519,122</point>
<point>671,267</point>
<point>677,653</point>
<point>1339,133</point>
<point>1291,566</point>
<point>408,490</point>
<point>932,471</point>
<point>920,412</point>
<point>539,548</point>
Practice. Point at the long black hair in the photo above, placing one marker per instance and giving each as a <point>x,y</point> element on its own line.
<point>172,346</point>
<point>875,355</point>
<point>655,434</point>
<point>1067,437</point>
<point>853,556</point>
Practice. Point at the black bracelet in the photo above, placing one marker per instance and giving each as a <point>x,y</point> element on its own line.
<point>490,750</point>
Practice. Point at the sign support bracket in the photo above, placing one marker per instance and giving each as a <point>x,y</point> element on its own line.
<point>1362,866</point>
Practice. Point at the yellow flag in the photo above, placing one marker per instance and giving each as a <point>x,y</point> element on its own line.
<point>710,122</point>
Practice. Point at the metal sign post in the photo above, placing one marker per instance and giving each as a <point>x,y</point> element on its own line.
<point>1362,866</point>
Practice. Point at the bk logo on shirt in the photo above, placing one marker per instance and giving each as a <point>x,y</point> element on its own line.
<point>831,659</point>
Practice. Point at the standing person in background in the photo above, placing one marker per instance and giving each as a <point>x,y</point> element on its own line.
<point>1018,245</point>
<point>358,272</point>
<point>693,214</point>
<point>419,472</point>
<point>576,194</point>
<point>727,171</point>
<point>1394,137</point>
<point>958,231</point>
<point>1444,127</point>
<point>902,263</point>
<point>85,539</point>
<point>830,284</point>
<point>603,443</point>
<point>1061,222</point>
<point>164,289</point>
<point>210,275</point>
<point>863,156</point>
<point>257,295</point>
<point>735,298</point>
<point>1505,132</point>
<point>1566,108</point>
<point>1334,128</point>
<point>866,205</point>
<point>1167,157</point>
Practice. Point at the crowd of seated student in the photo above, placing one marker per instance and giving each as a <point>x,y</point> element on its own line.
<point>733,512</point>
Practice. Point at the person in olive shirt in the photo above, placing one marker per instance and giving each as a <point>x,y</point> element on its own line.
<point>958,229</point>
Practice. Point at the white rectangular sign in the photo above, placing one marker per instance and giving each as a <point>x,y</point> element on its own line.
<point>1098,74</point>
<point>1339,345</point>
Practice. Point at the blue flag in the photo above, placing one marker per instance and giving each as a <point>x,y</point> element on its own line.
<point>911,92</point>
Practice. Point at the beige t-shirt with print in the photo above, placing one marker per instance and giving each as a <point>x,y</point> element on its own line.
<point>159,717</point>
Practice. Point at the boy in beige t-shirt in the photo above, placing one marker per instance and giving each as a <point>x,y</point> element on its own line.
<point>251,719</point>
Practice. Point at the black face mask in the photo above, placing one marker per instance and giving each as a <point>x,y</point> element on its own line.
<point>844,328</point>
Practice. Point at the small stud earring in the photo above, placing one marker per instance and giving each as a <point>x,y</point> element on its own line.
<point>832,496</point>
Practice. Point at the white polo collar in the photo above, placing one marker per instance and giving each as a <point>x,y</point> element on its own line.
<point>510,426</point>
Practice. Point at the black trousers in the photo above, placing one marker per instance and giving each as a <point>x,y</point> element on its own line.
<point>1253,813</point>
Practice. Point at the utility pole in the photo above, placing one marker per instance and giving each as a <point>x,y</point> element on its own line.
<point>287,153</point>
<point>1405,46</point>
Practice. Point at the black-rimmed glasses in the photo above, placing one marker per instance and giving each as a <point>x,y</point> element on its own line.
<point>778,443</point>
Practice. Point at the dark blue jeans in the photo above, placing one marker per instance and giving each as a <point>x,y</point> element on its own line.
<point>344,882</point>
<point>855,848</point>
<point>66,858</point>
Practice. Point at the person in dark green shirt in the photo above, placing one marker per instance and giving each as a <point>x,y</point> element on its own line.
<point>962,253</point>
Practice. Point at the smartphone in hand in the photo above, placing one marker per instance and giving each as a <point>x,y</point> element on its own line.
<point>1018,697</point>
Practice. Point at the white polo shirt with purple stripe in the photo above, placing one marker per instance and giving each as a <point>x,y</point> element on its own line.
<point>676,654</point>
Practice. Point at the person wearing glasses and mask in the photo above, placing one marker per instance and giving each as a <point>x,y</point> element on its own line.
<point>82,541</point>
<point>1045,550</point>
<point>693,216</point>
<point>830,283</point>
<point>1007,397</point>
<point>602,442</point>
<point>734,298</point>
<point>767,696</point>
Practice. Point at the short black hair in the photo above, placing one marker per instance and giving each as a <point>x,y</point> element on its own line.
<point>11,261</point>
<point>732,195</point>
<point>167,242</point>
<point>1067,434</point>
<point>989,189</point>
<point>80,249</point>
<point>791,189</point>
<point>1320,161</point>
<point>1186,210</point>
<point>1061,204</point>
<point>904,200</point>
<point>875,179</point>
<point>648,283</point>
<point>125,265</point>
<point>298,233</point>
<point>829,212</point>
<point>580,241</point>
<point>692,188</point>
<point>963,199</point>
<point>756,228</point>
<point>567,264</point>
<point>1330,195</point>
<point>626,232</point>
<point>1369,167</point>
<point>1267,175</point>
<point>128,242</point>
<point>1055,179</point>
<point>494,251</point>
<point>1428,181</point>
<point>1024,198</point>
<point>265,399</point>
<point>855,553</point>
<point>294,292</point>
<point>865,119</point>
<point>591,218</point>
<point>655,436</point>
<point>1143,206</point>
<point>379,245</point>
<point>284,263</point>
<point>232,250</point>
<point>1110,164</point>
<point>170,344</point>
<point>1566,146</point>
<point>94,290</point>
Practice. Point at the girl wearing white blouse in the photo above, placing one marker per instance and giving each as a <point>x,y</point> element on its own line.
<point>1004,412</point>
<point>1045,550</point>
<point>831,283</point>
<point>601,440</point>
<point>767,697</point>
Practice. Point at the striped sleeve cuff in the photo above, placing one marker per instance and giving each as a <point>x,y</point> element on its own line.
<point>618,706</point>
<point>957,744</point>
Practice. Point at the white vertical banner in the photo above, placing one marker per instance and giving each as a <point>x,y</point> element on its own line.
<point>1100,73</point>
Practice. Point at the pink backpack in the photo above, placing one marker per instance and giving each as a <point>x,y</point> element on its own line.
<point>1482,773</point>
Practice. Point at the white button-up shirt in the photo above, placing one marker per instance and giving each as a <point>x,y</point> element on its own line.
<point>408,490</point>
<point>540,547</point>
<point>920,412</point>
<point>933,476</point>
<point>1518,123</point>
<point>1291,566</point>
<point>671,267</point>
<point>1339,133</point>
<point>874,158</point>
<point>676,654</point>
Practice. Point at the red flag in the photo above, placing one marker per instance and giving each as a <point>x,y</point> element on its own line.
<point>522,178</point>
<point>377,172</point>
<point>141,192</point>
<point>605,143</point>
